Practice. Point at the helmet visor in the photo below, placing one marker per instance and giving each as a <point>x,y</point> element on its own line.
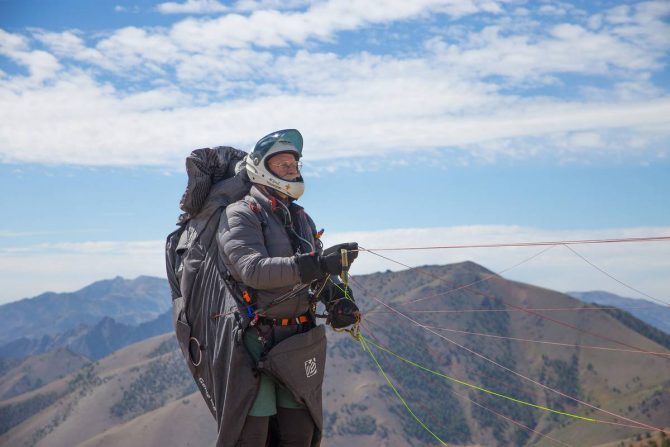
<point>287,137</point>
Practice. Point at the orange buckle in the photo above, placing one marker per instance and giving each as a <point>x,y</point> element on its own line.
<point>246,296</point>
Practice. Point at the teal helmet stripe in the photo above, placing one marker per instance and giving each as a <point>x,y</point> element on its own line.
<point>290,136</point>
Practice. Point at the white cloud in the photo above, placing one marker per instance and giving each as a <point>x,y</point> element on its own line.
<point>255,5</point>
<point>192,7</point>
<point>136,47</point>
<point>17,234</point>
<point>80,121</point>
<point>568,49</point>
<point>132,9</point>
<point>553,10</point>
<point>29,270</point>
<point>585,139</point>
<point>273,28</point>
<point>40,64</point>
<point>203,82</point>
<point>12,43</point>
<point>70,45</point>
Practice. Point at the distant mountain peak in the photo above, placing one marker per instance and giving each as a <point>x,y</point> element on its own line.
<point>119,283</point>
<point>474,267</point>
<point>652,313</point>
<point>127,301</point>
<point>457,268</point>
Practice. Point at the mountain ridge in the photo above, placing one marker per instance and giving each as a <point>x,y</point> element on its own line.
<point>648,311</point>
<point>130,301</point>
<point>138,390</point>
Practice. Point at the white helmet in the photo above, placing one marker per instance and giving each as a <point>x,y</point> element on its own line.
<point>287,140</point>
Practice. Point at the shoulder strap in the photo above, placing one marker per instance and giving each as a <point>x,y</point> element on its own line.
<point>258,211</point>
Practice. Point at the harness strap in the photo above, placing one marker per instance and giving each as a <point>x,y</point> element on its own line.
<point>302,319</point>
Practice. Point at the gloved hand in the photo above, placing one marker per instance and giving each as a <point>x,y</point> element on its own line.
<point>351,247</point>
<point>312,266</point>
<point>342,312</point>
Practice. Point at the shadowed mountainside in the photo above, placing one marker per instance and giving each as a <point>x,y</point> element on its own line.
<point>647,311</point>
<point>93,342</point>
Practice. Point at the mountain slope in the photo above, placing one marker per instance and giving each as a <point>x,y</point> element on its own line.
<point>37,371</point>
<point>144,392</point>
<point>118,388</point>
<point>196,426</point>
<point>93,342</point>
<point>128,301</point>
<point>622,381</point>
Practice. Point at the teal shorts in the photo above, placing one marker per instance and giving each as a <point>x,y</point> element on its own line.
<point>270,394</point>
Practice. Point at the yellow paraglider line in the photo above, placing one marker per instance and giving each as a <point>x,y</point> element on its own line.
<point>363,342</point>
<point>476,387</point>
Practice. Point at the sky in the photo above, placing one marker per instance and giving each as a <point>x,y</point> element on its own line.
<point>426,123</point>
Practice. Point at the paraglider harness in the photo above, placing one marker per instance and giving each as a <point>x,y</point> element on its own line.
<point>248,316</point>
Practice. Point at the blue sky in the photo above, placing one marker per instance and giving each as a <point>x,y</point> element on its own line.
<point>427,122</point>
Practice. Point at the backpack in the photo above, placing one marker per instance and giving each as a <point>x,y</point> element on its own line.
<point>194,271</point>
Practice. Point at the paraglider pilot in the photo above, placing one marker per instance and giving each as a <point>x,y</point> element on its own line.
<point>271,248</point>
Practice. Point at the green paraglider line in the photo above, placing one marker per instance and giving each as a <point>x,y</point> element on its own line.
<point>363,342</point>
<point>346,294</point>
<point>470,385</point>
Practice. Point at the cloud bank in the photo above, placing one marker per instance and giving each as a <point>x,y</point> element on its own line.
<point>490,80</point>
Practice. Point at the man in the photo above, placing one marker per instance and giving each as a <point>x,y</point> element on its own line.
<point>272,250</point>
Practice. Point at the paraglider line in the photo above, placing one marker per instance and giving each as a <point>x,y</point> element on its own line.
<point>395,390</point>
<point>613,278</point>
<point>526,244</point>
<point>489,277</point>
<point>511,370</point>
<point>526,310</point>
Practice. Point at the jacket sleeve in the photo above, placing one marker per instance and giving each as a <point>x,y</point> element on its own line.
<point>241,238</point>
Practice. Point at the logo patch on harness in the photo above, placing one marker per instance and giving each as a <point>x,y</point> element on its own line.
<point>310,367</point>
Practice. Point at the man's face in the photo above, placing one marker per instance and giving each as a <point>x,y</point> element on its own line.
<point>284,166</point>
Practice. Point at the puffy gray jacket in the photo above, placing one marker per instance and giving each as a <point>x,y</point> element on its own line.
<point>260,237</point>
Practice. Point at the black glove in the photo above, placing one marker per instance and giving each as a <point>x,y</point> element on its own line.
<point>351,247</point>
<point>312,266</point>
<point>342,312</point>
